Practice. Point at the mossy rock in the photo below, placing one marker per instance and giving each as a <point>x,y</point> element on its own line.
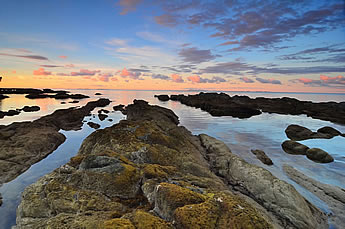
<point>118,223</point>
<point>143,220</point>
<point>158,171</point>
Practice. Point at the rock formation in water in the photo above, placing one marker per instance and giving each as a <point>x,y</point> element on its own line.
<point>299,133</point>
<point>25,143</point>
<point>333,196</point>
<point>261,155</point>
<point>148,172</point>
<point>244,107</point>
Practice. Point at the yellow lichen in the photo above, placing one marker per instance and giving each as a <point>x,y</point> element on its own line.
<point>118,223</point>
<point>143,220</point>
<point>158,171</point>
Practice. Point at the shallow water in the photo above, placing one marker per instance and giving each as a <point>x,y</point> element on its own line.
<point>265,132</point>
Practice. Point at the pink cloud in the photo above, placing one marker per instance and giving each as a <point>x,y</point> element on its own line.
<point>63,74</point>
<point>41,72</point>
<point>105,77</point>
<point>176,78</point>
<point>69,65</point>
<point>194,79</point>
<point>128,5</point>
<point>305,80</point>
<point>63,57</point>
<point>328,79</point>
<point>133,75</point>
<point>114,79</point>
<point>246,80</point>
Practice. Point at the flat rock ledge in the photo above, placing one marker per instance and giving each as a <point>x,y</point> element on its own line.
<point>148,172</point>
<point>221,104</point>
<point>25,143</point>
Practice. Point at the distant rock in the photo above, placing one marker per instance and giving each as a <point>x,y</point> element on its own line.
<point>97,93</point>
<point>110,120</point>
<point>319,155</point>
<point>94,125</point>
<point>262,156</point>
<point>163,97</point>
<point>3,96</point>
<point>74,101</point>
<point>119,107</point>
<point>333,196</point>
<point>31,108</point>
<point>9,113</point>
<point>293,147</point>
<point>63,102</point>
<point>103,111</point>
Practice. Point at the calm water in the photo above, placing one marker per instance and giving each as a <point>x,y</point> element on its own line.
<point>265,132</point>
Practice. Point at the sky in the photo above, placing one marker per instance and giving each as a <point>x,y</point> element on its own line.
<point>222,45</point>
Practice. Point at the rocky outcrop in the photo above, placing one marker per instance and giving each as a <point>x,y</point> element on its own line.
<point>275,195</point>
<point>162,97</point>
<point>25,143</point>
<point>45,93</point>
<point>148,172</point>
<point>332,195</point>
<point>9,113</point>
<point>299,133</point>
<point>3,97</point>
<point>221,104</point>
<point>119,107</point>
<point>261,155</point>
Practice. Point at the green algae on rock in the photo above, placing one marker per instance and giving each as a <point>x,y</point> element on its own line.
<point>148,172</point>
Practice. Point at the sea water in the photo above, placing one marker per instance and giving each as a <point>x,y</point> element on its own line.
<point>264,132</point>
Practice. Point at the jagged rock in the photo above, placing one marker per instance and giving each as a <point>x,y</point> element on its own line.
<point>262,156</point>
<point>31,108</point>
<point>102,117</point>
<point>163,97</point>
<point>93,125</point>
<point>292,147</point>
<point>25,143</point>
<point>275,195</point>
<point>319,155</point>
<point>147,172</point>
<point>333,196</point>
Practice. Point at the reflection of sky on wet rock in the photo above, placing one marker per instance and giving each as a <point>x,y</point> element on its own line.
<point>264,132</point>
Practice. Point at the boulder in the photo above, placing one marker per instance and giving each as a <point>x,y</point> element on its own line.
<point>298,133</point>
<point>262,156</point>
<point>319,155</point>
<point>163,97</point>
<point>293,147</point>
<point>93,125</point>
<point>329,131</point>
<point>102,117</point>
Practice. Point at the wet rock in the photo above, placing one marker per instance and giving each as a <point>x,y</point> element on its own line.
<point>148,172</point>
<point>293,147</point>
<point>244,107</point>
<point>31,108</point>
<point>319,155</point>
<point>163,97</point>
<point>329,131</point>
<point>25,143</point>
<point>275,195</point>
<point>93,125</point>
<point>333,196</point>
<point>262,156</point>
<point>298,133</point>
<point>119,107</point>
<point>102,117</point>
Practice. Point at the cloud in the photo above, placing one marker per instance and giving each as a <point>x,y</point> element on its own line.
<point>168,20</point>
<point>271,81</point>
<point>153,37</point>
<point>325,81</point>
<point>128,5</point>
<point>63,74</point>
<point>63,57</point>
<point>198,79</point>
<point>196,56</point>
<point>132,75</point>
<point>33,57</point>
<point>69,65</point>
<point>176,78</point>
<point>105,77</point>
<point>246,80</point>
<point>159,76</point>
<point>117,42</point>
<point>49,66</point>
<point>85,72</point>
<point>41,72</point>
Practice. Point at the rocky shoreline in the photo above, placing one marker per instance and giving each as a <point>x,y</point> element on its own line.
<point>25,143</point>
<point>148,172</point>
<point>221,104</point>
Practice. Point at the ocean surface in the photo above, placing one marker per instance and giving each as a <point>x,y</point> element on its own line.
<point>264,132</point>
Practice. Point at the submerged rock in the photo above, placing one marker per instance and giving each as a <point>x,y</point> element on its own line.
<point>148,172</point>
<point>319,155</point>
<point>262,156</point>
<point>25,143</point>
<point>333,196</point>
